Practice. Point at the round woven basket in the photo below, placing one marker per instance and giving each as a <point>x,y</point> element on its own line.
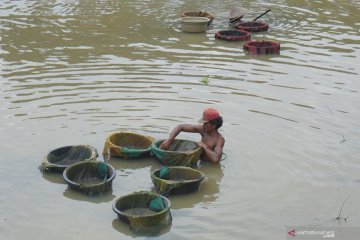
<point>233,35</point>
<point>253,26</point>
<point>179,180</point>
<point>194,24</point>
<point>262,47</point>
<point>135,209</point>
<point>198,14</point>
<point>127,145</point>
<point>86,177</point>
<point>58,159</point>
<point>181,153</point>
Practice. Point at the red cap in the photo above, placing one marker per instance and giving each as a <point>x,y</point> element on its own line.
<point>209,114</point>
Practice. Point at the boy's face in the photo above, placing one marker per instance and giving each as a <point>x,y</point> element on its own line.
<point>208,127</point>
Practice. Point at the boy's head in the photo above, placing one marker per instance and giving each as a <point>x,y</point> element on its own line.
<point>212,116</point>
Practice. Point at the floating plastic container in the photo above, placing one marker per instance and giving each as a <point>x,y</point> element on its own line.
<point>198,14</point>
<point>90,177</point>
<point>194,24</point>
<point>57,160</point>
<point>262,47</point>
<point>232,35</point>
<point>177,180</point>
<point>144,211</point>
<point>236,14</point>
<point>181,153</point>
<point>253,26</point>
<point>127,145</point>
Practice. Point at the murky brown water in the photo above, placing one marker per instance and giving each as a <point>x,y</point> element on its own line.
<point>73,71</point>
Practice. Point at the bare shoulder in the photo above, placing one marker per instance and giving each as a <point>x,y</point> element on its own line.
<point>221,140</point>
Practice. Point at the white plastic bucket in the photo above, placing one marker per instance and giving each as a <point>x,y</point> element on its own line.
<point>194,24</point>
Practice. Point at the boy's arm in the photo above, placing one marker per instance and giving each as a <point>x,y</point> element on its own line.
<point>213,155</point>
<point>180,128</point>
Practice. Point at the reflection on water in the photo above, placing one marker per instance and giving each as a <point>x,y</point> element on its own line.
<point>211,186</point>
<point>189,200</point>
<point>124,228</point>
<point>132,164</point>
<point>54,178</point>
<point>73,71</point>
<point>207,192</point>
<point>78,196</point>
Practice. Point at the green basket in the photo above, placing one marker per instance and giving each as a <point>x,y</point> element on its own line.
<point>58,159</point>
<point>135,210</point>
<point>127,145</point>
<point>90,177</point>
<point>181,153</point>
<point>178,180</point>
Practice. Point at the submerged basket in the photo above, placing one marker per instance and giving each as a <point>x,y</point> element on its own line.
<point>198,14</point>
<point>127,145</point>
<point>232,35</point>
<point>180,153</point>
<point>262,47</point>
<point>178,180</point>
<point>136,210</point>
<point>57,160</point>
<point>90,177</point>
<point>253,26</point>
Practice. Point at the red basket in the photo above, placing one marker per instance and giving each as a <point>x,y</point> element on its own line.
<point>262,47</point>
<point>253,26</point>
<point>233,35</point>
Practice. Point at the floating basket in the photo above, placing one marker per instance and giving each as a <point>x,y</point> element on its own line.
<point>90,177</point>
<point>233,35</point>
<point>262,47</point>
<point>57,160</point>
<point>198,14</point>
<point>180,153</point>
<point>144,211</point>
<point>177,180</point>
<point>253,26</point>
<point>194,24</point>
<point>127,145</point>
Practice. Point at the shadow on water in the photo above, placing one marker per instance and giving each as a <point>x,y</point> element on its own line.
<point>54,178</point>
<point>186,200</point>
<point>78,196</point>
<point>207,191</point>
<point>124,228</point>
<point>137,163</point>
<point>211,186</point>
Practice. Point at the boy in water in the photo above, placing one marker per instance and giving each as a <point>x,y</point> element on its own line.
<point>212,141</point>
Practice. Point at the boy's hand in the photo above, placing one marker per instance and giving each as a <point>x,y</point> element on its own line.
<point>202,144</point>
<point>166,144</point>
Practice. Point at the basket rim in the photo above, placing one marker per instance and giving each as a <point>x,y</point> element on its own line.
<point>151,139</point>
<point>118,211</point>
<point>153,145</point>
<point>277,44</point>
<point>202,175</point>
<point>234,30</point>
<point>92,157</point>
<point>245,35</point>
<point>259,22</point>
<point>208,14</point>
<point>259,26</point>
<point>111,178</point>
<point>131,133</point>
<point>202,20</point>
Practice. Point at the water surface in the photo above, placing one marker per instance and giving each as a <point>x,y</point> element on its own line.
<point>74,71</point>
